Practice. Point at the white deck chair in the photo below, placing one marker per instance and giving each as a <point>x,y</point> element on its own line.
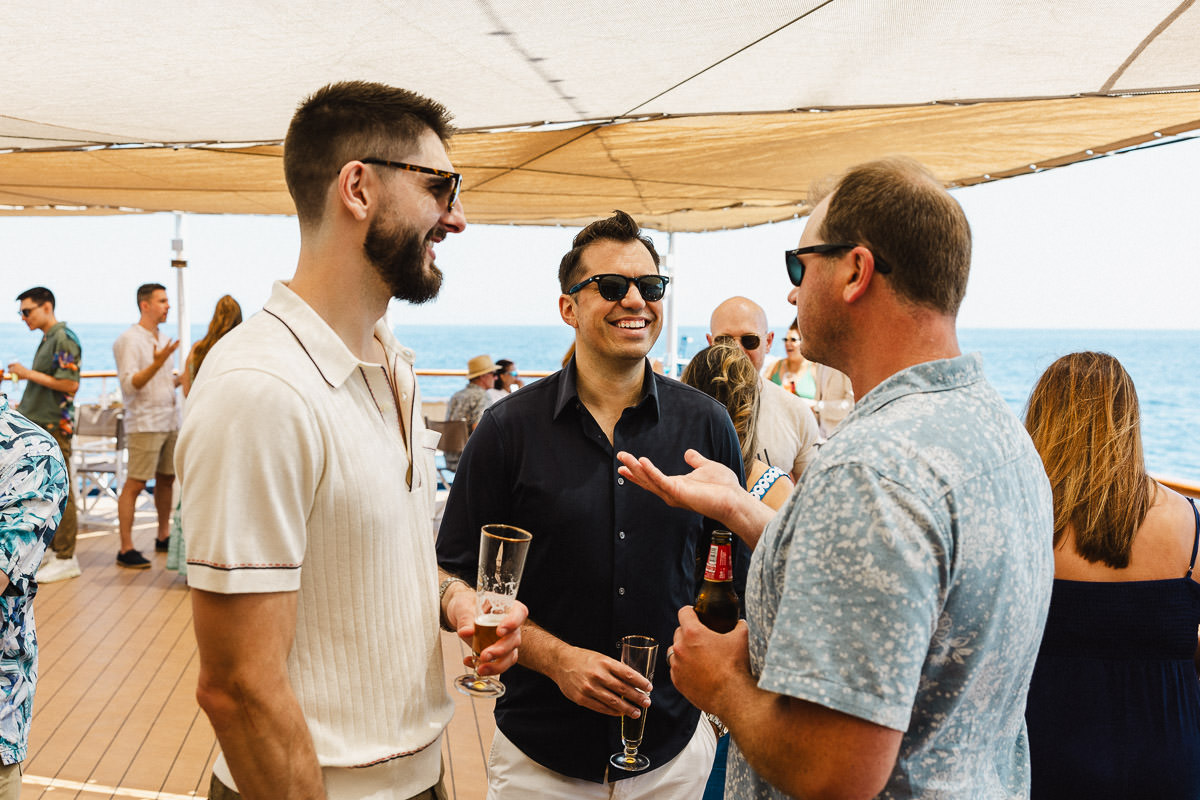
<point>98,457</point>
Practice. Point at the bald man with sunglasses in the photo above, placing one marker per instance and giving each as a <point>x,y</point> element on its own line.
<point>787,431</point>
<point>607,559</point>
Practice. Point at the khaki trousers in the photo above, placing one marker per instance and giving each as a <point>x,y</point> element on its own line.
<point>63,543</point>
<point>10,781</point>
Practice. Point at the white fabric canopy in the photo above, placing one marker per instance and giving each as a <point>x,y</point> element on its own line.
<point>690,117</point>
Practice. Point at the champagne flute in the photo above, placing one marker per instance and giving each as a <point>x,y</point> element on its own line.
<point>640,653</point>
<point>502,550</point>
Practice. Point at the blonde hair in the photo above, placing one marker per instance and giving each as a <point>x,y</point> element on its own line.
<point>1084,420</point>
<point>226,317</point>
<point>726,374</point>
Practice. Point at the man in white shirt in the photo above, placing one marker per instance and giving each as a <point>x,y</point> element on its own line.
<point>310,481</point>
<point>787,430</point>
<point>151,419</point>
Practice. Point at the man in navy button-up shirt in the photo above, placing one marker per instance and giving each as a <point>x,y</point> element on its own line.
<point>608,559</point>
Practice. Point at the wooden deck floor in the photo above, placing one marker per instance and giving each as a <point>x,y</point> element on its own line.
<point>115,714</point>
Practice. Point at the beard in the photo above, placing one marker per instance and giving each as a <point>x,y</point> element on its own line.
<point>398,256</point>
<point>822,337</point>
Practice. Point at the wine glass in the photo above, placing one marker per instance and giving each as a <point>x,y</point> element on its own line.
<point>640,653</point>
<point>502,550</point>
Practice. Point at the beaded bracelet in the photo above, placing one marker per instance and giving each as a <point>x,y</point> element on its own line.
<point>442,620</point>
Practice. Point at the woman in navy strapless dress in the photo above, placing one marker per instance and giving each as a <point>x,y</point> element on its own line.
<point>1114,705</point>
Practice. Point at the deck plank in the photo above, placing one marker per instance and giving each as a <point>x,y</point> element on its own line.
<point>115,714</point>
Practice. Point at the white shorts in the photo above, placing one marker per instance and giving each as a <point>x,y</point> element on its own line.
<point>514,776</point>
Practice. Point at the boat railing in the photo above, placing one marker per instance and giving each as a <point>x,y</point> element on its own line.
<point>1189,488</point>
<point>103,375</point>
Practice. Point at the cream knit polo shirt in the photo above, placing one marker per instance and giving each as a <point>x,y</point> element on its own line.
<point>296,477</point>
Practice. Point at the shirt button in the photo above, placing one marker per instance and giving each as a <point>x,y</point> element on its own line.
<point>620,481</point>
<point>621,591</point>
<point>621,534</point>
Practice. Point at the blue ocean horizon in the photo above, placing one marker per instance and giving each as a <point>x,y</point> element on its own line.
<point>1162,363</point>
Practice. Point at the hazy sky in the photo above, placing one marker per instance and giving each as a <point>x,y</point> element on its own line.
<point>1112,243</point>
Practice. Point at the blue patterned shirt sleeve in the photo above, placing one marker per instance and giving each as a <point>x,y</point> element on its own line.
<point>33,493</point>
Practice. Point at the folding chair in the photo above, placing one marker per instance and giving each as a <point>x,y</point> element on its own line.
<point>454,438</point>
<point>98,456</point>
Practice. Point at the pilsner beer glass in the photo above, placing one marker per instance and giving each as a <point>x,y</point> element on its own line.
<point>640,653</point>
<point>502,550</point>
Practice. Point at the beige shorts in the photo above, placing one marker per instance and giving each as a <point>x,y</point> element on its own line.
<point>150,454</point>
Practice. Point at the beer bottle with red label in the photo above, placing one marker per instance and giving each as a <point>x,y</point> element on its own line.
<point>717,602</point>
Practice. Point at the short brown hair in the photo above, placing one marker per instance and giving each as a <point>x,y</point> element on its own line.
<point>352,120</point>
<point>620,227</point>
<point>1084,420</point>
<point>897,209</point>
<point>726,374</point>
<point>146,291</point>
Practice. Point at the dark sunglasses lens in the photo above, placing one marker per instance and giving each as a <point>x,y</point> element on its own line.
<point>795,268</point>
<point>612,287</point>
<point>652,288</point>
<point>750,341</point>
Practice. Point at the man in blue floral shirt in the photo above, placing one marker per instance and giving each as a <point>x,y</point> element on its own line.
<point>895,605</point>
<point>33,492</point>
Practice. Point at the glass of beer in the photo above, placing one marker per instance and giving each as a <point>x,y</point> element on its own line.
<point>502,550</point>
<point>639,652</point>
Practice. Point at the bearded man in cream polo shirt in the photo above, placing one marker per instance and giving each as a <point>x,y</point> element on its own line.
<point>310,480</point>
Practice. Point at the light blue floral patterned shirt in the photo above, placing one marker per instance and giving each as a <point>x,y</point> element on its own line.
<point>907,582</point>
<point>33,493</point>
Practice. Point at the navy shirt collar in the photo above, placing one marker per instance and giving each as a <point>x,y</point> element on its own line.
<point>568,390</point>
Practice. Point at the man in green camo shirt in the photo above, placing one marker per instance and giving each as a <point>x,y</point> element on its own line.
<point>49,400</point>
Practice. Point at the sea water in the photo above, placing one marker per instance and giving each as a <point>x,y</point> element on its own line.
<point>1165,366</point>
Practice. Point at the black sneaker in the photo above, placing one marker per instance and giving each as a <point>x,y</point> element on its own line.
<point>132,559</point>
<point>162,545</point>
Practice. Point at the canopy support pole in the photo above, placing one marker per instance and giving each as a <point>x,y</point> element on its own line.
<point>672,322</point>
<point>181,296</point>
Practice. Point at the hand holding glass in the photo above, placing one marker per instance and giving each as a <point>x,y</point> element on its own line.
<point>502,550</point>
<point>640,653</point>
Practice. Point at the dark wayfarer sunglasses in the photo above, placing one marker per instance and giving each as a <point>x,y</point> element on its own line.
<point>750,341</point>
<point>454,179</point>
<point>795,266</point>
<point>614,287</point>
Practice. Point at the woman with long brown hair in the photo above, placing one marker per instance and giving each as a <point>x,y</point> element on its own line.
<point>226,316</point>
<point>1114,705</point>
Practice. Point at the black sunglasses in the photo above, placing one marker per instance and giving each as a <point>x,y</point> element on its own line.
<point>750,341</point>
<point>25,312</point>
<point>615,287</point>
<point>454,178</point>
<point>795,266</point>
